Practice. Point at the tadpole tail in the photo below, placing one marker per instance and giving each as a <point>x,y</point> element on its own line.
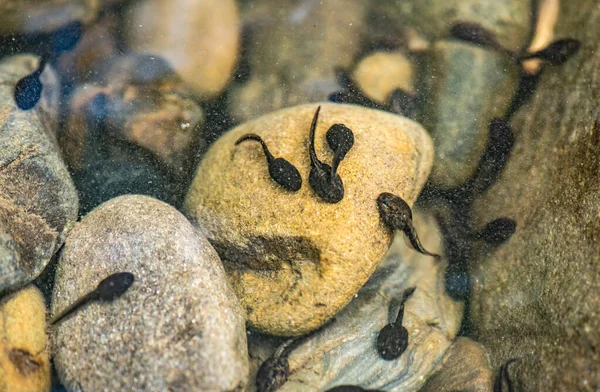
<point>36,74</point>
<point>335,163</point>
<point>256,138</point>
<point>411,233</point>
<point>407,294</point>
<point>75,306</point>
<point>313,126</point>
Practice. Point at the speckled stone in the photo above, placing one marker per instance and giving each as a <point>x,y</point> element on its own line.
<point>42,16</point>
<point>293,52</point>
<point>38,202</point>
<point>344,353</point>
<point>539,292</point>
<point>178,327</point>
<point>467,87</point>
<point>509,20</point>
<point>465,368</point>
<point>24,349</point>
<point>380,73</point>
<point>294,259</point>
<point>199,38</point>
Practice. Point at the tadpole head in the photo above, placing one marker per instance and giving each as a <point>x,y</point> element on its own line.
<point>340,139</point>
<point>498,231</point>
<point>285,174</point>
<point>328,188</point>
<point>558,51</point>
<point>114,286</point>
<point>392,341</point>
<point>394,211</point>
<point>28,91</point>
<point>67,37</point>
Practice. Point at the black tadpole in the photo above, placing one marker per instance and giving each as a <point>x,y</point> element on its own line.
<point>340,139</point>
<point>351,388</point>
<point>109,289</point>
<point>503,378</point>
<point>322,178</point>
<point>392,340</point>
<point>28,90</point>
<point>557,52</point>
<point>479,35</point>
<point>497,231</point>
<point>396,214</point>
<point>280,170</point>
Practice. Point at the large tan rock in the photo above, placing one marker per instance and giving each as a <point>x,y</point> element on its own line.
<point>295,260</point>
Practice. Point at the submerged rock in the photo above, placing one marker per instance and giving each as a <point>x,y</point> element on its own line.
<point>465,368</point>
<point>38,202</point>
<point>24,349</point>
<point>539,291</point>
<point>294,259</point>
<point>35,16</point>
<point>509,20</point>
<point>344,352</point>
<point>179,326</point>
<point>293,53</point>
<point>199,38</point>
<point>467,87</point>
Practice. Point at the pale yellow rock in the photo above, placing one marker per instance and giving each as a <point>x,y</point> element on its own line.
<point>295,260</point>
<point>380,73</point>
<point>24,351</point>
<point>199,38</point>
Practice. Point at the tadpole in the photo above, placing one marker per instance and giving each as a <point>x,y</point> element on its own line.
<point>396,214</point>
<point>392,340</point>
<point>280,170</point>
<point>503,378</point>
<point>351,388</point>
<point>324,181</point>
<point>478,35</point>
<point>340,139</point>
<point>557,52</point>
<point>28,90</point>
<point>497,231</point>
<point>108,290</point>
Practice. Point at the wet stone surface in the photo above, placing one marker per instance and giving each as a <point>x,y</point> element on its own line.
<point>180,308</point>
<point>38,202</point>
<point>293,258</point>
<point>536,297</point>
<point>344,351</point>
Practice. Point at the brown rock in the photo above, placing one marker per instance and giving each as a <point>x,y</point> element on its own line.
<point>537,297</point>
<point>38,202</point>
<point>198,38</point>
<point>178,327</point>
<point>138,99</point>
<point>294,259</point>
<point>293,54</point>
<point>465,368</point>
<point>35,16</point>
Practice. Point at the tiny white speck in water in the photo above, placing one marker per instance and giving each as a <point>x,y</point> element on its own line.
<point>185,125</point>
